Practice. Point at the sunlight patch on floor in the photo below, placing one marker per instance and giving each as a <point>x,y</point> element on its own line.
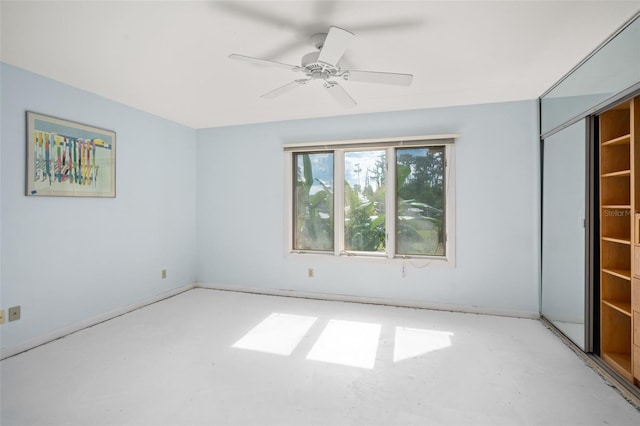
<point>348,343</point>
<point>277,334</point>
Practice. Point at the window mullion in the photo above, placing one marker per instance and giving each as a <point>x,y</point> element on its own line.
<point>390,203</point>
<point>338,201</point>
<point>289,203</point>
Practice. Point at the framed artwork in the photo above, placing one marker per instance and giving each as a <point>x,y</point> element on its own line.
<point>69,159</point>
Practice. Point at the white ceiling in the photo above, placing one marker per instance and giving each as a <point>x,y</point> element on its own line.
<point>170,58</point>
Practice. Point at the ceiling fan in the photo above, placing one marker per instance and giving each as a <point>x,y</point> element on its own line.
<point>323,65</point>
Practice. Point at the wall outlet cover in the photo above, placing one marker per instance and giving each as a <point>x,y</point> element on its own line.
<point>2,316</point>
<point>14,313</point>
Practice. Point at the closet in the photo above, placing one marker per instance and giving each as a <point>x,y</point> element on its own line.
<point>590,207</point>
<point>619,153</point>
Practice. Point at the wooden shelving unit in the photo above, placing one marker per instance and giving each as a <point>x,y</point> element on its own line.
<point>619,239</point>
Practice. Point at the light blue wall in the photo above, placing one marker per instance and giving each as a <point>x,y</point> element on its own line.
<point>241,209</point>
<point>66,260</point>
<point>208,206</point>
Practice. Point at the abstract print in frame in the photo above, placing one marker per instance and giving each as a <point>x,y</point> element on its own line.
<point>69,159</point>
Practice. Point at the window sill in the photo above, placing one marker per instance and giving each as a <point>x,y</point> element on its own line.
<point>414,261</point>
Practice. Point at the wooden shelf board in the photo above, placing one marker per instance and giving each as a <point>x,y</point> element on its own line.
<point>617,240</point>
<point>620,173</point>
<point>617,206</point>
<point>624,139</point>
<point>621,362</point>
<point>620,273</point>
<point>622,307</point>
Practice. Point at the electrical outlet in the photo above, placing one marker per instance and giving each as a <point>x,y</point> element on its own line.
<point>14,313</point>
<point>310,272</point>
<point>164,274</point>
<point>1,316</point>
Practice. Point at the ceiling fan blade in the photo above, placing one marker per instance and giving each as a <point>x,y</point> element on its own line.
<point>379,77</point>
<point>335,45</point>
<point>399,24</point>
<point>286,88</point>
<point>340,95</point>
<point>285,48</point>
<point>260,61</point>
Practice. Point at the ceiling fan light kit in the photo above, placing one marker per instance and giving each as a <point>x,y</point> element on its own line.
<point>323,66</point>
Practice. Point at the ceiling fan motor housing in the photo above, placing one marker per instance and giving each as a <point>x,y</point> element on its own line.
<point>318,70</point>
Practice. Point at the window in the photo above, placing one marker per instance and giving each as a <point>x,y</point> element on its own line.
<point>364,201</point>
<point>313,202</point>
<point>396,200</point>
<point>420,202</point>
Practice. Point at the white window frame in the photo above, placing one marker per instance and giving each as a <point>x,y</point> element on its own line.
<point>389,144</point>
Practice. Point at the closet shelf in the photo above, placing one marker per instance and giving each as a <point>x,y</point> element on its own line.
<point>625,274</point>
<point>621,173</point>
<point>617,206</point>
<point>624,139</point>
<point>621,362</point>
<point>620,306</point>
<point>617,240</point>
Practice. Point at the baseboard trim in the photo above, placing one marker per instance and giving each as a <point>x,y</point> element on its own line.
<point>62,332</point>
<point>372,301</point>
